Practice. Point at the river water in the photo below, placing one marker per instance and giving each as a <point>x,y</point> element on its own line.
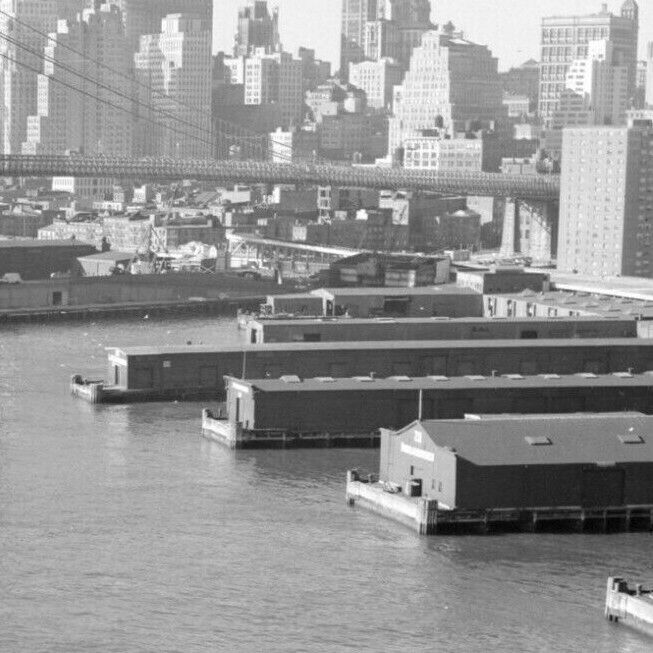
<point>121,529</point>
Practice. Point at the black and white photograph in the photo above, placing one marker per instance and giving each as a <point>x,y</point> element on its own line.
<point>326,326</point>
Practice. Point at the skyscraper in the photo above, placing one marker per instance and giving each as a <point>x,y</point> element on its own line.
<point>355,15</point>
<point>566,39</point>
<point>452,86</point>
<point>606,215</point>
<point>176,66</point>
<point>93,120</point>
<point>649,74</point>
<point>257,29</point>
<point>145,16</point>
<point>18,66</point>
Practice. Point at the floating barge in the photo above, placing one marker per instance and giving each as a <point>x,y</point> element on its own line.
<point>629,606</point>
<point>197,372</point>
<point>582,472</point>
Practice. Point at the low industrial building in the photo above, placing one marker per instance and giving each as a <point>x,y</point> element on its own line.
<point>502,280</point>
<point>104,264</point>
<point>518,472</point>
<point>262,330</point>
<point>40,259</point>
<point>445,300</point>
<point>195,371</point>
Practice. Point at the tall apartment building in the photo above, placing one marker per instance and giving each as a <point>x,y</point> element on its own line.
<point>93,120</point>
<point>176,65</point>
<point>275,79</point>
<point>257,28</point>
<point>145,16</point>
<point>452,86</point>
<point>596,90</point>
<point>565,39</point>
<point>606,201</point>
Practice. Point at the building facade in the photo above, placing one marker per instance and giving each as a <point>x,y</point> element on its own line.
<point>565,39</point>
<point>377,79</point>
<point>452,86</point>
<point>175,67</point>
<point>91,120</point>
<point>606,210</point>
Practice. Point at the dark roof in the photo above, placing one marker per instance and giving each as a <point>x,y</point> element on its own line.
<point>574,438</point>
<point>407,321</point>
<point>29,243</point>
<point>443,383</point>
<point>385,345</point>
<point>108,256</point>
<point>448,289</point>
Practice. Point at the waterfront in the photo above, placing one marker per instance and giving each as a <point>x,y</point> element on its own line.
<point>122,529</point>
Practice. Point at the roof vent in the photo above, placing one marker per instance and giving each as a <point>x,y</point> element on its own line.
<point>364,379</point>
<point>538,440</point>
<point>475,377</point>
<point>513,377</point>
<point>631,438</point>
<point>587,375</point>
<point>401,378</point>
<point>324,379</point>
<point>438,379</point>
<point>290,378</point>
<point>623,375</point>
<point>549,377</point>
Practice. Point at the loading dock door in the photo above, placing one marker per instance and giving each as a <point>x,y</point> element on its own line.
<point>603,487</point>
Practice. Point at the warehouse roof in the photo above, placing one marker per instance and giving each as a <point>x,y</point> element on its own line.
<point>578,438</point>
<point>444,383</point>
<point>338,321</point>
<point>386,345</point>
<point>447,289</point>
<point>27,243</point>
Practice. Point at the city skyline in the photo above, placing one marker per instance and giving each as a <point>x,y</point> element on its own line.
<point>480,24</point>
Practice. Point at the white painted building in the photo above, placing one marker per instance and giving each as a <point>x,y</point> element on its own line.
<point>377,79</point>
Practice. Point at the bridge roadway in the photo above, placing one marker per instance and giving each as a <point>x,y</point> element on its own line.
<point>526,187</point>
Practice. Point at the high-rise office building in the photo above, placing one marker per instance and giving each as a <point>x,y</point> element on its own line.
<point>92,120</point>
<point>596,90</point>
<point>18,66</point>
<point>406,13</point>
<point>606,211</point>
<point>377,79</point>
<point>176,66</point>
<point>566,39</point>
<point>257,29</point>
<point>452,87</point>
<point>145,16</point>
<point>649,74</point>
<point>355,15</point>
<point>276,79</point>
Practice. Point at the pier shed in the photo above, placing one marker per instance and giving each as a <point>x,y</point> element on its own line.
<point>155,373</point>
<point>259,411</point>
<point>525,462</point>
<point>268,330</point>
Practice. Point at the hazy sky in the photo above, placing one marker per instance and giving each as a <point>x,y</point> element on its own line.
<point>509,27</point>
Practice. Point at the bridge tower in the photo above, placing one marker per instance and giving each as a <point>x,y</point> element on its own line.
<point>530,227</point>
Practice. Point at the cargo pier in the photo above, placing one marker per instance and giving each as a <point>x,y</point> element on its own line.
<point>582,472</point>
<point>629,606</point>
<point>197,372</point>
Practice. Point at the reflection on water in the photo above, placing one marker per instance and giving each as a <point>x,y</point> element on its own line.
<point>123,529</point>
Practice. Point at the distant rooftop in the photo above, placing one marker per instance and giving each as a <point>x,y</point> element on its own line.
<point>447,289</point>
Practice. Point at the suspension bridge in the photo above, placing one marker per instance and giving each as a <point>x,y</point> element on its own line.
<point>527,187</point>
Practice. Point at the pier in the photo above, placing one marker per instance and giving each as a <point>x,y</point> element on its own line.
<point>629,606</point>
